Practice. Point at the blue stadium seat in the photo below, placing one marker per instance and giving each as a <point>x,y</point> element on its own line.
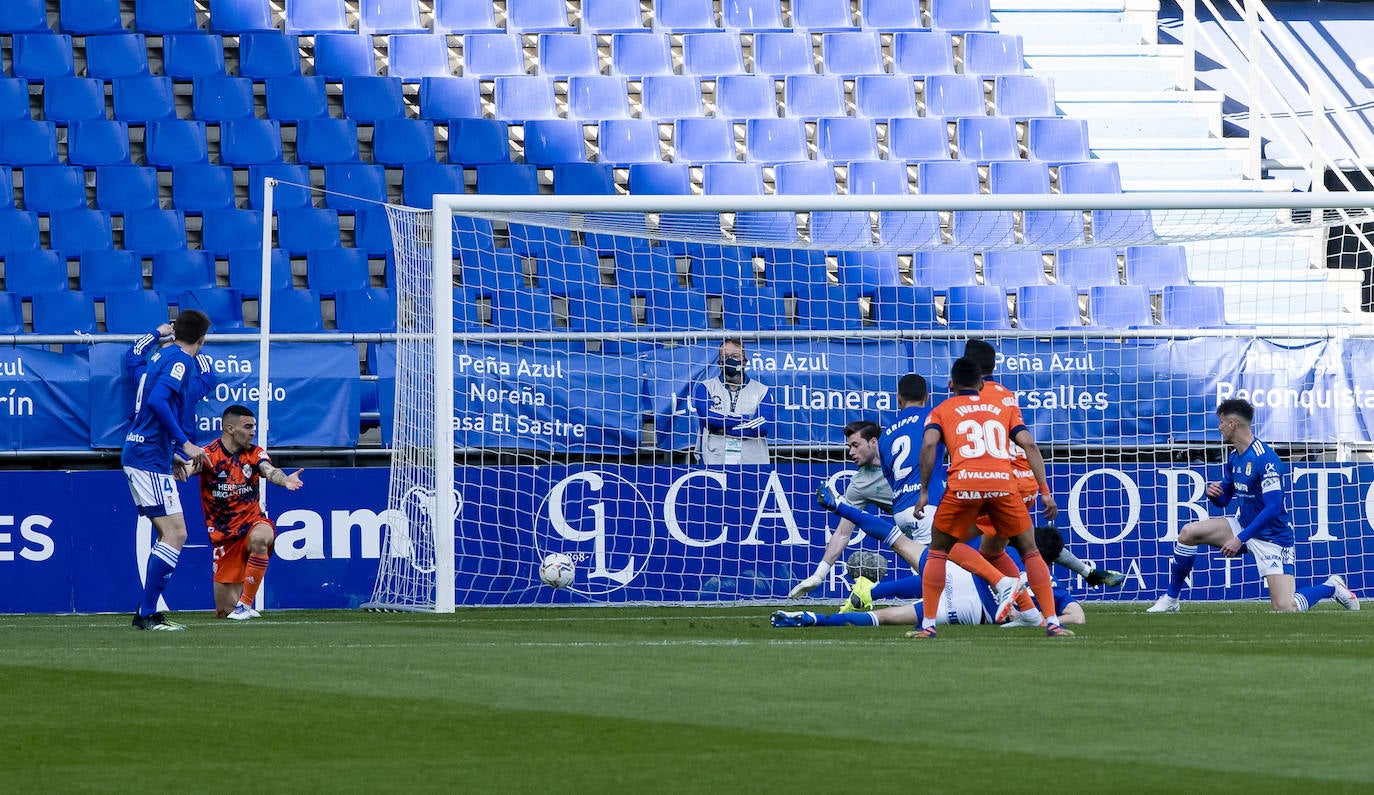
<point>703,140</point>
<point>6,188</point>
<point>245,271</point>
<point>1156,267</point>
<point>246,142</point>
<point>611,16</point>
<point>396,142</point>
<point>1044,307</point>
<point>420,181</point>
<point>140,100</point>
<point>551,141</point>
<point>389,16</point>
<point>563,55</point>
<point>823,307</point>
<point>891,15</point>
<point>64,312</point>
<point>1049,228</point>
<point>323,141</point>
<point>822,15</point>
<point>353,186</point>
<point>598,97</point>
<point>186,56</point>
<point>176,271</point>
<point>508,179</point>
<point>753,308</point>
<point>583,179</point>
<point>877,177</point>
<point>24,16</point>
<point>153,231</point>
<point>1058,141</point>
<point>69,99</point>
<point>491,54</point>
<point>752,15</point>
<point>1023,96</point>
<point>683,16</point>
<point>909,229</point>
<point>537,16</point>
<point>295,312</point>
<point>775,140</point>
<point>783,53</point>
<point>222,98</point>
<point>365,311</point>
<point>851,53</point>
<point>976,307</point>
<point>960,15</point>
<point>340,55</point>
<point>942,270</point>
<point>224,305</point>
<point>660,179</point>
<point>810,96</point>
<point>732,179</point>
<point>74,232</point>
<point>165,16</point>
<point>18,231</point>
<point>111,57</point>
<point>30,143</point>
<point>223,232</point>
<point>93,143</point>
<point>285,196</point>
<point>174,142</point>
<point>464,16</point>
<point>1086,267</point>
<point>1119,306</point>
<point>624,141</point>
<point>671,96</point>
<point>600,309</point>
<point>903,307</point>
<point>105,272</point>
<point>443,98</point>
<point>201,188</point>
<point>372,232</point>
<point>41,56</point>
<point>522,310</point>
<point>645,270</point>
<point>844,138</point>
<point>984,228</point>
<point>31,272</point>
<point>331,270</point>
<point>134,311</point>
<point>11,314</point>
<point>916,139</point>
<point>1192,306</point>
<point>476,141</point>
<point>712,54</point>
<point>295,99</point>
<point>303,229</point>
<point>54,188</point>
<point>676,309</point>
<point>869,268</point>
<point>14,99</point>
<point>636,55</point>
<point>991,54</point>
<point>315,16</point>
<point>415,56</point>
<point>240,16</point>
<point>884,96</point>
<point>524,97</point>
<point>1108,226</point>
<point>805,179</point>
<point>984,138</point>
<point>371,99</point>
<point>954,95</point>
<point>922,53</point>
<point>1012,269</point>
<point>264,55</point>
<point>746,97</point>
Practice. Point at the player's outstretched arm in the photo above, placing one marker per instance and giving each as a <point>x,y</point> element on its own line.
<point>277,477</point>
<point>833,549</point>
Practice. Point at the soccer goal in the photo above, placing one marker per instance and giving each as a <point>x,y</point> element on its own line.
<point>555,356</point>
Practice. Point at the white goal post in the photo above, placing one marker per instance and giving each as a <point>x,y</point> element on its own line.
<point>549,348</point>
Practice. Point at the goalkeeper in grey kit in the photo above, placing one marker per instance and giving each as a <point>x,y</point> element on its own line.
<point>736,412</point>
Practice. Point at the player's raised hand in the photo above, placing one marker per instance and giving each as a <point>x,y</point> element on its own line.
<point>1232,547</point>
<point>1213,489</point>
<point>805,587</point>
<point>293,480</point>
<point>192,451</point>
<point>921,503</point>
<point>1051,507</point>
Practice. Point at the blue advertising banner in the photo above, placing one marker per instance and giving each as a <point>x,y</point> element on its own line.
<point>45,399</point>
<point>638,534</point>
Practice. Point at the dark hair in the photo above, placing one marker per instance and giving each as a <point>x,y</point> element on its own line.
<point>236,411</point>
<point>866,428</point>
<point>1237,407</point>
<point>912,388</point>
<point>190,325</point>
<point>983,353</point>
<point>964,374</point>
<point>1049,542</point>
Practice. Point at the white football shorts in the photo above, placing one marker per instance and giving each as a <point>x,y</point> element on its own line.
<point>155,494</point>
<point>1270,558</point>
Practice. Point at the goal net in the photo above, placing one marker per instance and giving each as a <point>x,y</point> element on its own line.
<point>657,386</point>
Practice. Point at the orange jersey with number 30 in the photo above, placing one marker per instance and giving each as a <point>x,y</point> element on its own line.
<point>1019,464</point>
<point>977,430</point>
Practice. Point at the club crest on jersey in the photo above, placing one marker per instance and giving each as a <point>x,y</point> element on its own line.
<point>1247,468</point>
<point>247,470</point>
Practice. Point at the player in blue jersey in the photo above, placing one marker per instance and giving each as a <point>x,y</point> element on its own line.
<point>898,449</point>
<point>1257,479</point>
<point>136,363</point>
<point>155,435</point>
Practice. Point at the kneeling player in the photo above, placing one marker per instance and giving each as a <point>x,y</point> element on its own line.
<point>241,533</point>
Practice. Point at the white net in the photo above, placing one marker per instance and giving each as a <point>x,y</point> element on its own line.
<point>587,344</point>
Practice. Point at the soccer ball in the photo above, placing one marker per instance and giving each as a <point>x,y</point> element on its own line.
<point>557,570</point>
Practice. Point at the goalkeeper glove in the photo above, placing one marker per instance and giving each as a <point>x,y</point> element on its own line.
<point>811,583</point>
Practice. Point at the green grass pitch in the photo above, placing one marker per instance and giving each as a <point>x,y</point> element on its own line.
<point>1217,698</point>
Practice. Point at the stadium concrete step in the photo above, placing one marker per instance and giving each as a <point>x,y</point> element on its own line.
<point>1072,29</point>
<point>1284,301</point>
<point>1239,259</point>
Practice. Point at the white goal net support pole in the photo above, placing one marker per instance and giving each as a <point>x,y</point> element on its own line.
<point>552,350</point>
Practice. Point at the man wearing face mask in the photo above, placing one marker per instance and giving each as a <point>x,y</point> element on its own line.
<point>735,412</point>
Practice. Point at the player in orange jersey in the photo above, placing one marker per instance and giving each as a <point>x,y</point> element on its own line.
<point>241,533</point>
<point>977,433</point>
